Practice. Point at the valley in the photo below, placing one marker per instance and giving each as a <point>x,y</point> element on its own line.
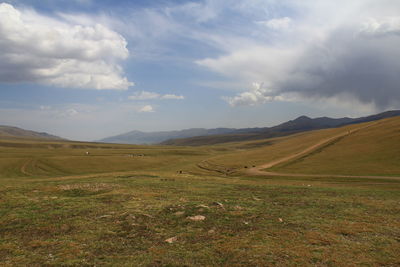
<point>326,197</point>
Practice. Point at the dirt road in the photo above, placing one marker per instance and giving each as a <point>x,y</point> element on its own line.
<point>260,170</point>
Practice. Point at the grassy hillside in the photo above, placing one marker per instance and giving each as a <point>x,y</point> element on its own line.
<point>15,132</point>
<point>126,205</point>
<point>370,151</point>
<point>374,151</point>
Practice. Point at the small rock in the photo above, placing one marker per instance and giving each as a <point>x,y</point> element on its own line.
<point>280,219</point>
<point>309,185</point>
<point>171,240</point>
<point>238,207</point>
<point>203,206</point>
<point>257,199</point>
<point>197,218</point>
<point>219,205</point>
<point>211,231</point>
<point>104,216</point>
<point>246,223</point>
<point>179,213</point>
<point>65,228</point>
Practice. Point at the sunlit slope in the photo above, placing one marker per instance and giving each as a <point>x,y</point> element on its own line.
<point>259,152</point>
<point>371,151</point>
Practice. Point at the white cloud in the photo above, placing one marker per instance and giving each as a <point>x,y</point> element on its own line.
<point>382,26</point>
<point>70,112</point>
<point>143,95</point>
<point>45,107</point>
<point>146,108</point>
<point>171,96</point>
<point>40,49</point>
<point>255,63</point>
<point>201,12</point>
<point>277,24</point>
<point>257,95</point>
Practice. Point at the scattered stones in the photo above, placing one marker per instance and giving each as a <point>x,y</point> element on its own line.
<point>171,240</point>
<point>197,218</point>
<point>130,218</point>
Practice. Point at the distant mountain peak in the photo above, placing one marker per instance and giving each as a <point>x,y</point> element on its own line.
<point>303,118</point>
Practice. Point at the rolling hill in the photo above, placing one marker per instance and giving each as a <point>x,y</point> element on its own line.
<point>372,150</point>
<point>15,132</point>
<point>366,149</point>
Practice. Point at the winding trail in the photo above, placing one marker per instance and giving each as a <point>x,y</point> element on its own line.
<point>29,162</point>
<point>260,170</point>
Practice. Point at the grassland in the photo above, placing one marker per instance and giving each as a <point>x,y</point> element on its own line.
<point>118,205</point>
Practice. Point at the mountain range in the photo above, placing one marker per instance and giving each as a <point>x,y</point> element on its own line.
<point>200,136</point>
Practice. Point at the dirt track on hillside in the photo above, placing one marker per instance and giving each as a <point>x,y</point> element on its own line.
<point>24,167</point>
<point>260,170</point>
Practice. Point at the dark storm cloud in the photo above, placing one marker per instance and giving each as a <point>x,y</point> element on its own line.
<point>365,66</point>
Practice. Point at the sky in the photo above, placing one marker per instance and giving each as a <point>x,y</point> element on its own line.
<point>86,69</point>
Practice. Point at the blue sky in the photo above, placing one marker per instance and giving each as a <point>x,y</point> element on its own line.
<point>86,69</point>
